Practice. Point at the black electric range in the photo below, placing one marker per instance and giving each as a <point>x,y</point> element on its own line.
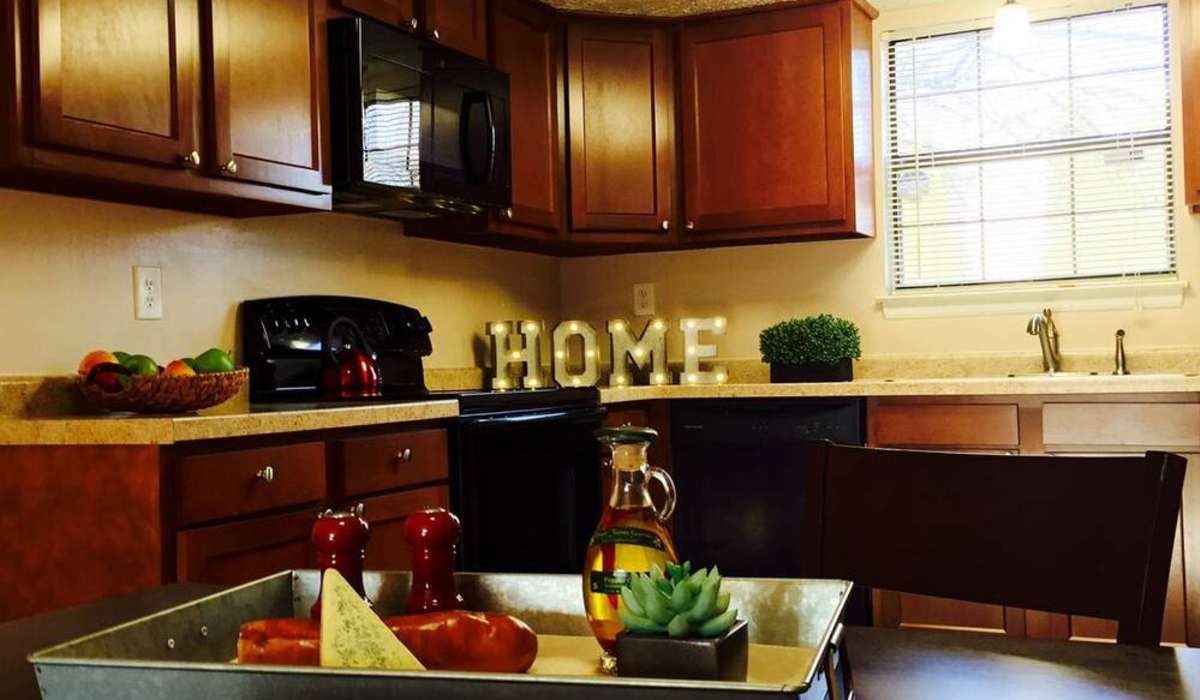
<point>524,471</point>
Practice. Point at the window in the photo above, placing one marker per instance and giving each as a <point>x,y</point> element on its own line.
<point>1048,164</point>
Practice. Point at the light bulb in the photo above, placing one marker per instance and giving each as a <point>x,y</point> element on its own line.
<point>1010,30</point>
<point>502,384</point>
<point>574,326</point>
<point>499,328</point>
<point>691,324</point>
<point>560,354</point>
<point>721,377</point>
<point>590,353</point>
<point>575,381</point>
<point>533,383</point>
<point>719,323</point>
<point>515,355</point>
<point>658,325</point>
<point>691,349</point>
<point>691,379</point>
<point>620,379</point>
<point>530,327</point>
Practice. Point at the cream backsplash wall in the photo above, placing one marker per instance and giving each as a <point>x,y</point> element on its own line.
<point>66,285</point>
<point>757,286</point>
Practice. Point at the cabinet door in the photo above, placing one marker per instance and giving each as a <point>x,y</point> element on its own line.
<point>621,127</point>
<point>115,77</point>
<point>458,24</point>
<point>527,44</point>
<point>763,99</point>
<point>955,427</point>
<point>397,12</point>
<point>243,551</point>
<point>264,84</point>
<point>387,550</point>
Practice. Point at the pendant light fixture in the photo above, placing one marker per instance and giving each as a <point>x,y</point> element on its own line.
<point>1010,31</point>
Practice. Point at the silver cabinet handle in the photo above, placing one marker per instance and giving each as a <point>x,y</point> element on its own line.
<point>508,213</point>
<point>231,167</point>
<point>413,23</point>
<point>666,225</point>
<point>691,226</point>
<point>437,34</point>
<point>267,473</point>
<point>404,455</point>
<point>359,509</point>
<point>190,160</point>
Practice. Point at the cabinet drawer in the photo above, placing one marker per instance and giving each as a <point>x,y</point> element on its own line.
<point>386,549</point>
<point>391,461</point>
<point>1118,427</point>
<point>225,484</point>
<point>970,426</point>
<point>243,551</point>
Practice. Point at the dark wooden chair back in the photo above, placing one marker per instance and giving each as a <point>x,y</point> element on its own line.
<point>1078,535</point>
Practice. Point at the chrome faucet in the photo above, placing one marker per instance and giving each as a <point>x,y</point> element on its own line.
<point>1042,325</point>
<point>1119,356</point>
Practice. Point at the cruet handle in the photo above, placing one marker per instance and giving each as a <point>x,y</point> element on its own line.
<point>668,484</point>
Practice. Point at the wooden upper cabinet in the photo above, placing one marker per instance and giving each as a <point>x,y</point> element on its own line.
<point>115,77</point>
<point>265,91</point>
<point>527,44</point>
<point>458,24</point>
<point>401,13</point>
<point>621,105</point>
<point>776,123</point>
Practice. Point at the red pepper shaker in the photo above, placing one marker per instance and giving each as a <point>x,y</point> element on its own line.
<point>340,538</point>
<point>432,535</point>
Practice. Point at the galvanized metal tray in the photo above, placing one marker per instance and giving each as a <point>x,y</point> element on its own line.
<point>184,653</point>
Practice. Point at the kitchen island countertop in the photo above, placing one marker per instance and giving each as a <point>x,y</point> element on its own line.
<point>233,420</point>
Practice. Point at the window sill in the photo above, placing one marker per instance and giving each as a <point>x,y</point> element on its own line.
<point>1150,293</point>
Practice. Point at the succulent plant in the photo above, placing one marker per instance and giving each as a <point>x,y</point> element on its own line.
<point>681,603</point>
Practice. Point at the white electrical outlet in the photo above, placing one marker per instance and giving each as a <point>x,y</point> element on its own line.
<point>643,299</point>
<point>147,293</point>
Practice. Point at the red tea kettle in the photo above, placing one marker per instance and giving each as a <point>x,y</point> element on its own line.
<point>350,371</point>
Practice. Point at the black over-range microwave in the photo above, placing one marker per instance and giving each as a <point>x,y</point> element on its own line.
<point>417,129</point>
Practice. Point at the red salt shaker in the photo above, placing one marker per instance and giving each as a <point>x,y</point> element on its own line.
<point>340,538</point>
<point>432,535</point>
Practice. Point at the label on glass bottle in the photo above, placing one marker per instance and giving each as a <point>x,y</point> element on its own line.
<point>628,535</point>
<point>608,582</point>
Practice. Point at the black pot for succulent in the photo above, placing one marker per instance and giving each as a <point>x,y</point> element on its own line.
<point>813,349</point>
<point>680,625</point>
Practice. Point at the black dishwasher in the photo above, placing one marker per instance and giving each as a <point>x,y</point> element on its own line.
<point>736,465</point>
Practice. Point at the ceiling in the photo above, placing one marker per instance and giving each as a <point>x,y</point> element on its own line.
<point>681,8</point>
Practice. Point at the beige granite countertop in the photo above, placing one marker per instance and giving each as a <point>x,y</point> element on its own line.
<point>124,429</point>
<point>971,386</point>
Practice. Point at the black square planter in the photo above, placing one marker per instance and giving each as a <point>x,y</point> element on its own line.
<point>812,372</point>
<point>723,658</point>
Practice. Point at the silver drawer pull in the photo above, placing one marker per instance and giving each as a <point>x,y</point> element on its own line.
<point>404,455</point>
<point>267,473</point>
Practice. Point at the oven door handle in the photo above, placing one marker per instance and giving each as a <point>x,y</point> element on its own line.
<point>517,420</point>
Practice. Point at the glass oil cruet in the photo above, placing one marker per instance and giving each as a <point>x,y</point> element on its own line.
<point>631,535</point>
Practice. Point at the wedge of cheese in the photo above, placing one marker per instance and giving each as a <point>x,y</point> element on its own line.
<point>353,636</point>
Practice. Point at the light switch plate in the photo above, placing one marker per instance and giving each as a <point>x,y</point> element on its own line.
<point>147,293</point>
<point>643,299</point>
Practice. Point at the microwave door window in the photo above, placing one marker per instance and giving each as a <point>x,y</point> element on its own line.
<point>392,141</point>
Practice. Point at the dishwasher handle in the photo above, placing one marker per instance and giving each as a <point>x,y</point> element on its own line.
<point>518,420</point>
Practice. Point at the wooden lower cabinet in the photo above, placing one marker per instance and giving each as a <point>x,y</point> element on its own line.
<point>243,551</point>
<point>1033,425</point>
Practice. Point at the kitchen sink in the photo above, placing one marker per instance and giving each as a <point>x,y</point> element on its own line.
<point>1108,375</point>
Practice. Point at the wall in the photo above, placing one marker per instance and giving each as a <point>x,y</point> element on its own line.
<point>757,286</point>
<point>67,283</point>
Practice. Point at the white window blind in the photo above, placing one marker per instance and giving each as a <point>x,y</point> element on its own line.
<point>1046,164</point>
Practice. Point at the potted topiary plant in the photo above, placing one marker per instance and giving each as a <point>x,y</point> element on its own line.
<point>813,349</point>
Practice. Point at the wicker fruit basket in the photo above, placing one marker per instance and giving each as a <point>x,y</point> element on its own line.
<point>168,394</point>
